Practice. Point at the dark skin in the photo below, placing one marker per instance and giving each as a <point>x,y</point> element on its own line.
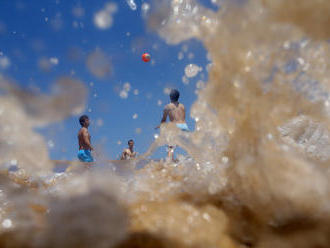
<point>84,137</point>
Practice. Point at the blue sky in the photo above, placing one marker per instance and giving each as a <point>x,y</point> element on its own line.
<point>38,30</point>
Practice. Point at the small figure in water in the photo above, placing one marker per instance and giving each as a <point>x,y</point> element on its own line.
<point>177,114</point>
<point>84,139</point>
<point>128,153</point>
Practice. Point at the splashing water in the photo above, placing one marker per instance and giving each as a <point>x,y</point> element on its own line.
<point>257,169</point>
<point>131,4</point>
<point>99,64</point>
<point>4,62</point>
<point>192,70</point>
<point>103,19</point>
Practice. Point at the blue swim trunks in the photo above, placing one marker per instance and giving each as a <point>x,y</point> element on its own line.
<point>183,126</point>
<point>85,156</point>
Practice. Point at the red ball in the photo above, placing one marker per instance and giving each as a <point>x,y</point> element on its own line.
<point>146,57</point>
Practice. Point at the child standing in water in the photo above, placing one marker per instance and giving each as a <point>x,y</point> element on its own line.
<point>84,140</point>
<point>128,153</point>
<point>177,114</point>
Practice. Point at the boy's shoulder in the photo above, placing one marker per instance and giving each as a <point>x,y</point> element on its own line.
<point>168,106</point>
<point>83,130</point>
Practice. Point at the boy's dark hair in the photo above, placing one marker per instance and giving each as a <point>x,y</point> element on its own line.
<point>130,141</point>
<point>82,119</point>
<point>174,95</point>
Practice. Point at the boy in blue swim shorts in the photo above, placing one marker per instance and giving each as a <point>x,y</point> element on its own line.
<point>84,139</point>
<point>177,114</point>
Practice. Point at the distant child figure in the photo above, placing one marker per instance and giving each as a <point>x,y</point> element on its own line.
<point>177,114</point>
<point>84,139</point>
<point>128,153</point>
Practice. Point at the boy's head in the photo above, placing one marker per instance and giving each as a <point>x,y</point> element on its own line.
<point>174,95</point>
<point>130,143</point>
<point>84,121</point>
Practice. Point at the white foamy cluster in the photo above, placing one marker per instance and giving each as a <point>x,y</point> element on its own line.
<point>185,80</point>
<point>136,92</point>
<point>51,144</point>
<point>307,135</point>
<point>7,223</point>
<point>123,94</point>
<point>131,4</point>
<point>145,9</point>
<point>186,19</point>
<point>103,19</point>
<point>125,90</point>
<point>54,61</point>
<point>192,70</point>
<point>4,62</point>
<point>46,64</point>
<point>127,86</point>
<point>167,91</point>
<point>200,84</point>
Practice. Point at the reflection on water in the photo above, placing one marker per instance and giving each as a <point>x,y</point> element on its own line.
<point>257,173</point>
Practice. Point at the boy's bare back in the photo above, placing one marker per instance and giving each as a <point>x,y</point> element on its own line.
<point>176,112</point>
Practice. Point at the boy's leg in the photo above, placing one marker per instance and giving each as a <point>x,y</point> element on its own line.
<point>170,153</point>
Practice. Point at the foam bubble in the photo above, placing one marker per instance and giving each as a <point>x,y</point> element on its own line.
<point>4,62</point>
<point>192,70</point>
<point>145,7</point>
<point>7,223</point>
<point>127,86</point>
<point>123,94</point>
<point>103,19</point>
<point>54,60</point>
<point>167,91</point>
<point>99,64</point>
<point>131,4</point>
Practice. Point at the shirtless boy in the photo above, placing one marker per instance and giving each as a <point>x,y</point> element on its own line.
<point>128,153</point>
<point>84,139</point>
<point>176,113</point>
